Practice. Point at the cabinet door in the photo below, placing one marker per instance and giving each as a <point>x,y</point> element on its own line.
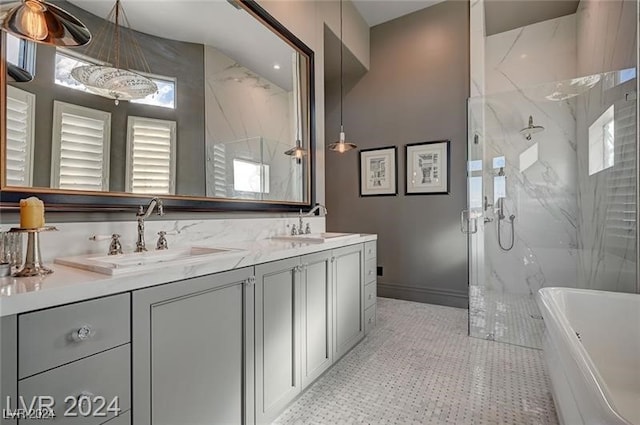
<point>316,326</point>
<point>8,367</point>
<point>348,269</point>
<point>277,337</point>
<point>189,351</point>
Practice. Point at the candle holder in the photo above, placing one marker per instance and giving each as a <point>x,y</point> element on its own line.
<point>33,264</point>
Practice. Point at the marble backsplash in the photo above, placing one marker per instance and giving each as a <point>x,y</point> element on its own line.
<point>73,238</point>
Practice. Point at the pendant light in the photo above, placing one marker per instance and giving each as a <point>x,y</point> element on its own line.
<point>17,74</point>
<point>45,23</point>
<point>119,81</point>
<point>341,145</point>
<point>297,152</point>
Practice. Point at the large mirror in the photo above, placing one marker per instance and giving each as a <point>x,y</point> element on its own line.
<point>230,94</point>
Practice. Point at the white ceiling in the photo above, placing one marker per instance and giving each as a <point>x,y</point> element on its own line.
<point>214,23</point>
<point>378,11</point>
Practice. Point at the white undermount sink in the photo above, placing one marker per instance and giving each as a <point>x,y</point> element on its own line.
<point>317,237</point>
<point>139,261</point>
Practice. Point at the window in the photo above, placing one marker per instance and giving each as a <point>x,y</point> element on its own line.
<point>165,97</point>
<point>66,62</point>
<point>250,176</point>
<point>151,158</point>
<point>602,142</point>
<point>20,120</point>
<point>80,147</point>
<point>21,53</point>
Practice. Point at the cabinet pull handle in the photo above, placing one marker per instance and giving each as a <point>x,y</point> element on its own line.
<point>83,333</point>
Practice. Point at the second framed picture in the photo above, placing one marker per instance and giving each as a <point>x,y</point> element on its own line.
<point>427,166</point>
<point>378,171</point>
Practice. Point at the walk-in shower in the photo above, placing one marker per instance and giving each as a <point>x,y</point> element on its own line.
<point>552,202</point>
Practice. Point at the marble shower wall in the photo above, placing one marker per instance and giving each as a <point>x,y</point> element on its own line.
<point>250,118</point>
<point>541,172</point>
<point>607,43</point>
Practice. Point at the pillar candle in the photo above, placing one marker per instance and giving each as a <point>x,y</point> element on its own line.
<point>31,213</point>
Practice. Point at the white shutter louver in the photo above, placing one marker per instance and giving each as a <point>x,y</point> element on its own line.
<point>81,139</point>
<point>151,156</point>
<point>20,120</point>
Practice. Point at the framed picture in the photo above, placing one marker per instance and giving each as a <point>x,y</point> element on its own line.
<point>427,168</point>
<point>378,171</point>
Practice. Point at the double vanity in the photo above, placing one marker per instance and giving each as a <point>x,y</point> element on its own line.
<point>207,334</point>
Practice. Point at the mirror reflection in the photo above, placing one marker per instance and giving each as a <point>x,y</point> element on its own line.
<point>228,98</point>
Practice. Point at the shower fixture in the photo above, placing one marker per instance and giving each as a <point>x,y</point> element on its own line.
<point>531,129</point>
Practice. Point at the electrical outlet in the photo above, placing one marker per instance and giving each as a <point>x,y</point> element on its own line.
<point>379,271</point>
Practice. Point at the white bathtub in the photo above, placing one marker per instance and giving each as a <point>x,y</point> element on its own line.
<point>595,377</point>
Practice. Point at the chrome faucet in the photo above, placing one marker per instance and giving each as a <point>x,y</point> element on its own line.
<point>141,216</point>
<point>313,210</point>
<point>316,208</point>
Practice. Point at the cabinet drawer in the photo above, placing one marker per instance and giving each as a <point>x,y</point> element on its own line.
<point>105,376</point>
<point>370,250</point>
<point>369,295</point>
<point>370,272</point>
<point>122,419</point>
<point>369,319</point>
<point>53,337</point>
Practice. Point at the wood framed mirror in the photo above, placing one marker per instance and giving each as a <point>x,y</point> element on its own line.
<point>235,92</point>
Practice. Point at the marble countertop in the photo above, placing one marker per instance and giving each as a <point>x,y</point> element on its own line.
<point>69,284</point>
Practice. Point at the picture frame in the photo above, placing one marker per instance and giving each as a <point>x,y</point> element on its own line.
<point>378,169</point>
<point>428,168</point>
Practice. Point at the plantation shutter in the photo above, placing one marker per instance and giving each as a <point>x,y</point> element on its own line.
<point>20,120</point>
<point>220,171</point>
<point>621,191</point>
<point>151,159</point>
<point>81,139</point>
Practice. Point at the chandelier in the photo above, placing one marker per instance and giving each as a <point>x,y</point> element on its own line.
<point>116,44</point>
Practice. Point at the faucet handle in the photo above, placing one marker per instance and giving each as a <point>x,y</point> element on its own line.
<point>162,240</point>
<point>160,207</point>
<point>294,231</point>
<point>115,247</point>
<point>307,230</point>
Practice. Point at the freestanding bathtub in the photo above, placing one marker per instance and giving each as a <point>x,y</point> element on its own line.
<point>592,352</point>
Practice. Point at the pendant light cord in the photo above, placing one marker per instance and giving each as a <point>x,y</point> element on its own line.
<point>341,70</point>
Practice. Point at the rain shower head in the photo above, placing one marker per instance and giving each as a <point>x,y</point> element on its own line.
<point>531,129</point>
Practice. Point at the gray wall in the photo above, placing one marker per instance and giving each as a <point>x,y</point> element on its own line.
<point>415,91</point>
<point>184,61</point>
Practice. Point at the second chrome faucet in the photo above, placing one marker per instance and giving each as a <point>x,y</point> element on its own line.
<point>141,216</point>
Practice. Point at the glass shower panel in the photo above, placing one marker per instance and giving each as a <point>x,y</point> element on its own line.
<point>558,207</point>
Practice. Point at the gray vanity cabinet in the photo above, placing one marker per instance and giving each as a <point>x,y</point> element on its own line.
<point>277,331</point>
<point>190,347</point>
<point>8,364</point>
<point>316,314</point>
<point>348,300</point>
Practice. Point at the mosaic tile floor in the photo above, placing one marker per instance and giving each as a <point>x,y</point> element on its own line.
<point>418,366</point>
<point>504,317</point>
